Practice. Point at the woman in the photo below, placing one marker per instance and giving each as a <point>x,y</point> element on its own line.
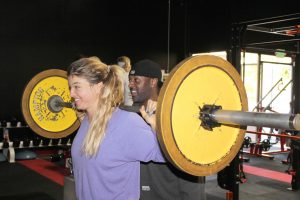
<point>124,62</point>
<point>110,142</point>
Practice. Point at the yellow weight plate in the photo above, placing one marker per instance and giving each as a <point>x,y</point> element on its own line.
<point>198,81</point>
<point>36,112</point>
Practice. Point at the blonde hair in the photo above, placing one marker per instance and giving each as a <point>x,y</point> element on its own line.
<point>111,96</point>
<point>126,60</point>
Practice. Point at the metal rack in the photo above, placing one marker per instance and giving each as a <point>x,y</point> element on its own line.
<point>277,34</point>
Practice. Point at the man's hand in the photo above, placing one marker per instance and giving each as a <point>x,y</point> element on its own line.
<point>148,113</point>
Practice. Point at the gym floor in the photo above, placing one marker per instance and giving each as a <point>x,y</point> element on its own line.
<point>41,179</point>
<point>265,179</point>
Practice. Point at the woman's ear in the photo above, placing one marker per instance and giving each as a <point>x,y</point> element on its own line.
<point>99,87</point>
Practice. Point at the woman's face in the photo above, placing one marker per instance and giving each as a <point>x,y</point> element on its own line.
<point>85,94</point>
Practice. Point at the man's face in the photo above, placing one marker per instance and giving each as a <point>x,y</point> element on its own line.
<point>140,88</point>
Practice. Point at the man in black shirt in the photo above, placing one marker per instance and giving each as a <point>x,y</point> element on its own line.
<point>160,181</point>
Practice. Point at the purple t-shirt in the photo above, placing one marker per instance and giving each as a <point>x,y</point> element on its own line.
<point>115,172</point>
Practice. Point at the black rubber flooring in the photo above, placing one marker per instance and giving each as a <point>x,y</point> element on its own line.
<point>18,182</point>
<point>31,196</point>
<point>256,187</point>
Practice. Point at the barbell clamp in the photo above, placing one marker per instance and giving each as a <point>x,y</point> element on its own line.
<point>206,116</point>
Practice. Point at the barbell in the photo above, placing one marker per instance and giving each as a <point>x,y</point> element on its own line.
<point>201,113</point>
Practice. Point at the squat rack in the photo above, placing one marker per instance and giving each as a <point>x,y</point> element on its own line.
<point>284,30</point>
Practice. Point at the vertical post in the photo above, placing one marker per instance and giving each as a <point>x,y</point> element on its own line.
<point>234,57</point>
<point>234,174</point>
<point>229,179</point>
<point>296,81</point>
<point>234,52</point>
<point>295,148</point>
<point>295,144</point>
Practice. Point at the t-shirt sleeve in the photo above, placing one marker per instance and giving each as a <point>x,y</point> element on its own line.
<point>142,143</point>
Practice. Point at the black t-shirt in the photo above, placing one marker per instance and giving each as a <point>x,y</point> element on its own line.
<point>162,181</point>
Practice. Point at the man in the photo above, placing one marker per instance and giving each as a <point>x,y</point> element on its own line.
<point>160,181</point>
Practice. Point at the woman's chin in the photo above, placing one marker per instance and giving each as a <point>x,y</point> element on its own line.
<point>78,107</point>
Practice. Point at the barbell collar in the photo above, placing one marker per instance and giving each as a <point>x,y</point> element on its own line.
<point>56,104</point>
<point>207,120</point>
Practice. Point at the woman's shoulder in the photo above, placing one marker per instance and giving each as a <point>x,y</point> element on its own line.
<point>128,118</point>
<point>128,114</point>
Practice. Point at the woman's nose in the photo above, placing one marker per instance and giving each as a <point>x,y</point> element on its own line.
<point>71,92</point>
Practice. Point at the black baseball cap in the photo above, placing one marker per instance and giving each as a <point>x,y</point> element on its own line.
<point>147,68</point>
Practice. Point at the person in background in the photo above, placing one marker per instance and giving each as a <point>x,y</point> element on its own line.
<point>106,151</point>
<point>124,62</point>
<point>160,181</point>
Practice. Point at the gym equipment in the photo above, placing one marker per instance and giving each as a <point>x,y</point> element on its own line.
<point>2,157</point>
<point>202,118</point>
<point>260,101</point>
<point>283,89</point>
<point>275,135</point>
<point>201,113</point>
<point>265,145</point>
<point>46,107</point>
<point>247,141</point>
<point>25,155</point>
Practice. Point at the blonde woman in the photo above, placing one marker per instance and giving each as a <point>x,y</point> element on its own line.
<point>124,62</point>
<point>110,142</point>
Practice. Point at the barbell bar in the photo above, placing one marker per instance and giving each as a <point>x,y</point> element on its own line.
<point>260,119</point>
<point>218,116</point>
